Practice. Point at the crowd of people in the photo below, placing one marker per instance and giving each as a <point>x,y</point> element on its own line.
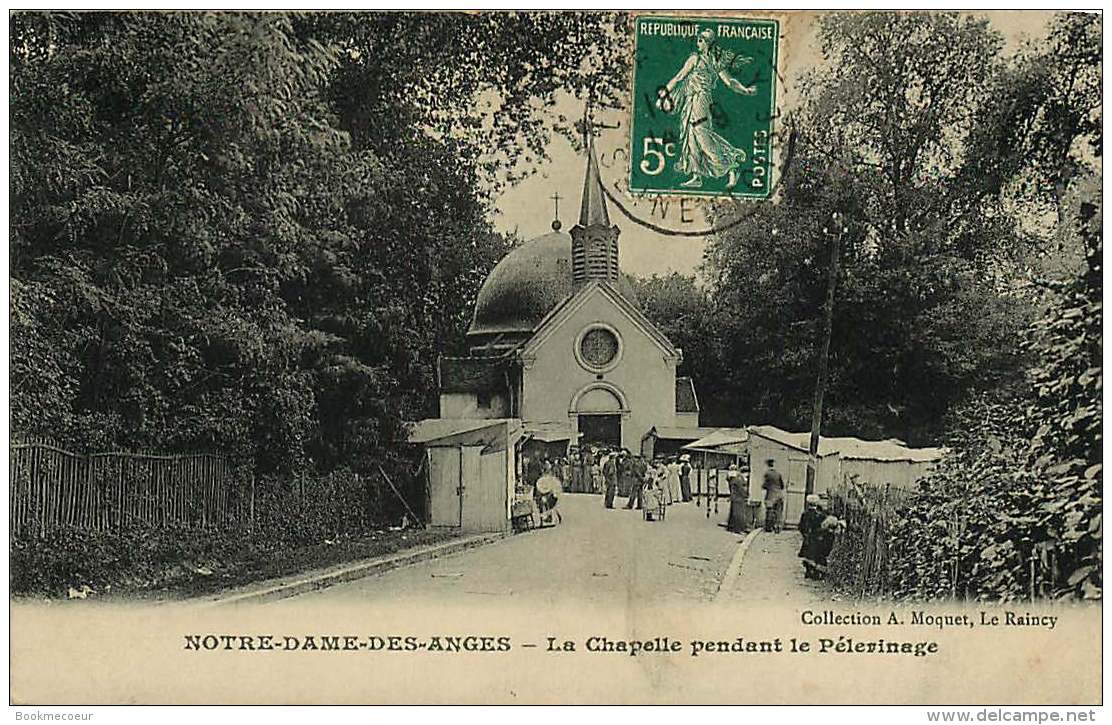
<point>616,471</point>
<point>611,472</point>
<point>666,480</point>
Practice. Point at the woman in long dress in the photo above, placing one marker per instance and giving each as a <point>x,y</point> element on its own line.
<point>736,520</point>
<point>674,488</point>
<point>703,152</point>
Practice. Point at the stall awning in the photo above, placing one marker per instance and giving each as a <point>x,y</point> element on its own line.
<point>679,434</point>
<point>850,448</point>
<point>719,438</point>
<point>550,431</point>
<point>436,429</point>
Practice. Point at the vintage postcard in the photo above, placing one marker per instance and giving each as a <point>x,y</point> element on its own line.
<point>556,358</point>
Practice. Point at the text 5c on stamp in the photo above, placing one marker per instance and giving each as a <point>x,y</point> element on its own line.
<point>704,96</point>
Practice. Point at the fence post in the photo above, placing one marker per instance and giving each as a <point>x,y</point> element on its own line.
<point>91,512</point>
<point>1032,574</point>
<point>362,505</point>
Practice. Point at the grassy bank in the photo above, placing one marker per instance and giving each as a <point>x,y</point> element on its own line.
<point>169,564</point>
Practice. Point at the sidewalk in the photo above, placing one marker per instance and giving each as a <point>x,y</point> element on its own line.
<point>772,573</point>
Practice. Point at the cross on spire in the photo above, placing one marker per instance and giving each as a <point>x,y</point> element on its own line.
<point>556,214</point>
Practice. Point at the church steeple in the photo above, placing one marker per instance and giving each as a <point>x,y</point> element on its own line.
<point>594,241</point>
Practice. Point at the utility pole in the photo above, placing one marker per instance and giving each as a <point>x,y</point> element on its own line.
<point>834,231</point>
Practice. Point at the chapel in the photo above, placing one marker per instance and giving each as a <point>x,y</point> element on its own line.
<point>558,341</point>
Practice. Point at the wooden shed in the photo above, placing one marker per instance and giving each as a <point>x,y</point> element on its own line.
<point>790,453</point>
<point>713,454</point>
<point>471,468</point>
<point>879,463</point>
<point>668,440</point>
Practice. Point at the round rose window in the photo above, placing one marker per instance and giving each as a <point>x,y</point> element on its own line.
<point>599,347</point>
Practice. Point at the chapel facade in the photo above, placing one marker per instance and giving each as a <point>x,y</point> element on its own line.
<point>558,340</point>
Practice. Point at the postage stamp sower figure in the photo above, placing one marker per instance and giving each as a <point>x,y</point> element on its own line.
<point>703,106</point>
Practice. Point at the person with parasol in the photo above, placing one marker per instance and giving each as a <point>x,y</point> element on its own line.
<point>546,494</point>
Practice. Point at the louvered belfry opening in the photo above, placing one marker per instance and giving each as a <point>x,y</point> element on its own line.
<point>594,241</point>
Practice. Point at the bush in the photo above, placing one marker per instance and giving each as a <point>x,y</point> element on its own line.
<point>1015,510</point>
<point>141,556</point>
<point>289,513</point>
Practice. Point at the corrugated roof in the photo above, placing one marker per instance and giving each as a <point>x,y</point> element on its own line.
<point>686,400</point>
<point>856,448</point>
<point>919,455</point>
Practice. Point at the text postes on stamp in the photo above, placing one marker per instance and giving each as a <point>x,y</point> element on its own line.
<point>704,95</point>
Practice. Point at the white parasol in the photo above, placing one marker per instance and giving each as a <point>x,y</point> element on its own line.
<point>549,484</point>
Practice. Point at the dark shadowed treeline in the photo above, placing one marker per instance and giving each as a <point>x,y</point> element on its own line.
<point>951,165</point>
<point>253,233</point>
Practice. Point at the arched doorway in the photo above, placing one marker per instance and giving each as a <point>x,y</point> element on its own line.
<point>597,411</point>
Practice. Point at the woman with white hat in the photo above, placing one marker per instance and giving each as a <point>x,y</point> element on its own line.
<point>736,520</point>
<point>674,491</point>
<point>809,522</point>
<point>685,477</point>
<point>660,475</point>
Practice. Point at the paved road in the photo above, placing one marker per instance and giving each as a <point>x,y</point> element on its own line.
<point>596,556</point>
<point>772,573</point>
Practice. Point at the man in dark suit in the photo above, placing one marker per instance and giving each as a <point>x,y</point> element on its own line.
<point>774,498</point>
<point>610,476</point>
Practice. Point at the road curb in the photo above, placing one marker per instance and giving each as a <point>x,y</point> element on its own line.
<point>733,572</point>
<point>313,581</point>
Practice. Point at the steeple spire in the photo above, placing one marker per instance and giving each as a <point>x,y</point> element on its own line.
<point>592,210</point>
<point>594,241</point>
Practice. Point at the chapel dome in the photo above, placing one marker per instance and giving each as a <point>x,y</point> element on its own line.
<point>526,284</point>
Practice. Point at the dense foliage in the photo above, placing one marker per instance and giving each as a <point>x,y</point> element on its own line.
<point>312,522</point>
<point>923,136</point>
<point>254,233</point>
<point>968,308</point>
<point>1015,510</point>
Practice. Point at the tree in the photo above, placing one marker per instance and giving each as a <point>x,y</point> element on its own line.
<point>167,188</point>
<point>255,232</point>
<point>1042,122</point>
<point>483,83</point>
<point>684,312</point>
<point>921,317</point>
<point>1023,481</point>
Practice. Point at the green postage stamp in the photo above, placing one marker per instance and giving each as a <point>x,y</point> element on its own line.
<point>704,96</point>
